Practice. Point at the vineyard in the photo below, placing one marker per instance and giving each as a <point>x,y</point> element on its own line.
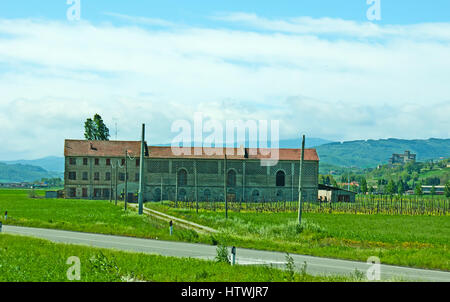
<point>364,204</point>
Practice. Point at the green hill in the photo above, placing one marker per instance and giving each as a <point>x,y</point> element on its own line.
<point>24,173</point>
<point>50,163</point>
<point>370,153</point>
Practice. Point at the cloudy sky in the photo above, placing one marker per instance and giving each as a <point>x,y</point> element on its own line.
<point>319,67</point>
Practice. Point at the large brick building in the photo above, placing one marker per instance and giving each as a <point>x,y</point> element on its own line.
<point>90,172</point>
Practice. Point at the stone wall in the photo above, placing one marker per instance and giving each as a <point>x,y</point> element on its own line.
<point>205,179</point>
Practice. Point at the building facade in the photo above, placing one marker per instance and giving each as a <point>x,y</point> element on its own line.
<point>96,170</point>
<point>333,194</point>
<point>402,158</point>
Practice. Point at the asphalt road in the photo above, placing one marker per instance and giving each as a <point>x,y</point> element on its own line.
<point>315,265</point>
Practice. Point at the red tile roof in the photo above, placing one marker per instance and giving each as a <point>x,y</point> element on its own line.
<point>117,148</point>
<point>101,148</point>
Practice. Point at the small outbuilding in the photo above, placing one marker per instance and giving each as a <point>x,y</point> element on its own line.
<point>333,194</point>
<point>51,194</point>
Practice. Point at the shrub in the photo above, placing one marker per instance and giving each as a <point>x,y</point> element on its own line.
<point>223,255</point>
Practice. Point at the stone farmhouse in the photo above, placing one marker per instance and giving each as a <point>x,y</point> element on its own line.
<point>96,170</point>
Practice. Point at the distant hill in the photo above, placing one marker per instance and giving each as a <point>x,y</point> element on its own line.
<point>370,153</point>
<point>310,142</point>
<point>50,163</point>
<point>24,173</point>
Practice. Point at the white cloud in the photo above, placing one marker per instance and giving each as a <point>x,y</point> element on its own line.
<point>329,77</point>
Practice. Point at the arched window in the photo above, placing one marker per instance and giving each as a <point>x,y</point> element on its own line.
<point>231,179</point>
<point>182,177</point>
<point>281,179</point>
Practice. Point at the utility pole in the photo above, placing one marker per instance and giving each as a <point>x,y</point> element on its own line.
<point>116,181</point>
<point>111,183</point>
<point>300,183</point>
<point>141,174</point>
<point>161,199</point>
<point>126,179</point>
<point>225,184</point>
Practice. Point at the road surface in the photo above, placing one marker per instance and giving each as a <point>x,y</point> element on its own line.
<point>315,265</point>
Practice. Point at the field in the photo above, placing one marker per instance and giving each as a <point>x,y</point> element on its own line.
<point>25,259</point>
<point>416,241</point>
<point>364,204</point>
<point>408,240</point>
<point>85,216</point>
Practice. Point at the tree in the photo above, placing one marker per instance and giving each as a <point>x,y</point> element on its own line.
<point>433,191</point>
<point>364,185</point>
<point>390,188</point>
<point>400,187</point>
<point>96,129</point>
<point>371,189</point>
<point>447,189</point>
<point>89,129</point>
<point>334,183</point>
<point>418,189</point>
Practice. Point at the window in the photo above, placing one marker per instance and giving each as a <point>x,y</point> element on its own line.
<point>231,179</point>
<point>73,175</point>
<point>85,175</point>
<point>97,176</point>
<point>122,176</point>
<point>182,177</point>
<point>281,179</point>
<point>97,161</point>
<point>105,192</point>
<point>72,192</point>
<point>123,161</point>
<point>97,193</point>
<point>85,192</point>
<point>72,161</point>
<point>138,162</point>
<point>136,177</point>
<point>108,162</point>
<point>108,176</point>
<point>85,161</point>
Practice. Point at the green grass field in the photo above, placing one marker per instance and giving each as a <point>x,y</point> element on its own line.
<point>416,241</point>
<point>86,216</point>
<point>24,259</point>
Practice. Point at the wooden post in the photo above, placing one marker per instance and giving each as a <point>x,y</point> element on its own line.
<point>161,199</point>
<point>110,183</point>
<point>225,184</point>
<point>126,179</point>
<point>141,174</point>
<point>300,183</point>
<point>116,181</point>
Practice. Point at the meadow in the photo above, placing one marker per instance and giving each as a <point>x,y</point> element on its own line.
<point>415,241</point>
<point>92,216</point>
<point>408,240</point>
<point>24,259</point>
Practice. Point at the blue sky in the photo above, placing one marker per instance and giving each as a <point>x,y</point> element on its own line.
<point>319,67</point>
<point>196,12</point>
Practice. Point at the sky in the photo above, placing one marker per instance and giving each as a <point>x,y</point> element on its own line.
<point>324,68</point>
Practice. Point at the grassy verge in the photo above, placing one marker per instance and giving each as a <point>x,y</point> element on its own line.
<point>94,216</point>
<point>415,241</point>
<point>24,259</point>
